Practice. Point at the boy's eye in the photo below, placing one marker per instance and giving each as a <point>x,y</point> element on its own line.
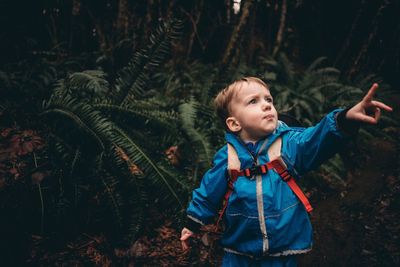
<point>269,99</point>
<point>253,101</point>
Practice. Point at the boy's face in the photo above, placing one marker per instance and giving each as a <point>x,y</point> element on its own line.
<point>253,114</point>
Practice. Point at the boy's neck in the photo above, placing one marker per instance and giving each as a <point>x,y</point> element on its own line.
<point>250,141</point>
<point>246,140</point>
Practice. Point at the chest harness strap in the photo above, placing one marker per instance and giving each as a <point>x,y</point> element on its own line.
<point>277,164</point>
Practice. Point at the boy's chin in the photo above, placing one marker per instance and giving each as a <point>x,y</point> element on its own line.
<point>269,130</point>
<point>266,132</point>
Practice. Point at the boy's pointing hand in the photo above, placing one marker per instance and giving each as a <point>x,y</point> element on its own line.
<point>368,110</point>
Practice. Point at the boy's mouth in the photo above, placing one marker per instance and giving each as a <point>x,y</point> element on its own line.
<point>269,117</point>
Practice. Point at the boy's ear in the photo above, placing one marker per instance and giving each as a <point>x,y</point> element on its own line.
<point>233,124</point>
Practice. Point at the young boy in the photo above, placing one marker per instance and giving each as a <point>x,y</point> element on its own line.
<point>266,224</point>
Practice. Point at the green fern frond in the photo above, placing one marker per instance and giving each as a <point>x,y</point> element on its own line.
<point>176,177</point>
<point>346,95</point>
<point>132,80</point>
<point>144,161</point>
<point>135,198</point>
<point>77,120</point>
<point>326,88</point>
<point>307,107</point>
<point>176,180</point>
<point>286,68</point>
<point>366,81</point>
<point>88,85</point>
<point>327,72</point>
<point>148,117</point>
<point>61,151</point>
<point>316,63</point>
<point>199,139</point>
<point>82,115</point>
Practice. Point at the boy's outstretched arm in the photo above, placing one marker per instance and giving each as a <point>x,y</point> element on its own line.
<point>306,149</point>
<point>367,110</point>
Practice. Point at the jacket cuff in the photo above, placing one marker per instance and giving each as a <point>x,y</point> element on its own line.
<point>192,225</point>
<point>348,127</point>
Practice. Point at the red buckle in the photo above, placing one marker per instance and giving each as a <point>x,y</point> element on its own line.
<point>249,172</point>
<point>263,169</point>
<point>255,170</point>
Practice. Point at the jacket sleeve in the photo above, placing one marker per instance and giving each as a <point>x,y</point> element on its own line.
<point>305,149</point>
<point>207,199</point>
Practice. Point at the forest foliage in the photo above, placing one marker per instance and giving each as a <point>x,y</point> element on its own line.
<point>107,115</point>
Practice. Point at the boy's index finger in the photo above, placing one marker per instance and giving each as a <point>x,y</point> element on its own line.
<point>371,92</point>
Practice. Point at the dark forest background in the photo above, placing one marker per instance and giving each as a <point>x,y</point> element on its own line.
<point>107,125</point>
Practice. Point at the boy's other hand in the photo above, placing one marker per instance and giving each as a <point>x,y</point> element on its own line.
<point>367,110</point>
<point>185,235</point>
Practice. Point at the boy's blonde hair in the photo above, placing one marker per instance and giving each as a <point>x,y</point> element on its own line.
<point>224,98</point>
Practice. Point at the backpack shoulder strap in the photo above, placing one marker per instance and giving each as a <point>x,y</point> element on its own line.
<point>274,150</point>
<point>233,158</point>
<point>233,166</point>
<point>276,161</point>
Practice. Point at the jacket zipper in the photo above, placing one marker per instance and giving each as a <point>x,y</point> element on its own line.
<point>260,204</point>
<point>261,217</point>
<point>259,196</point>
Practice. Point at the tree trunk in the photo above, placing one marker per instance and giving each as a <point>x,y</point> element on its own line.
<point>122,19</point>
<point>235,37</point>
<point>279,35</point>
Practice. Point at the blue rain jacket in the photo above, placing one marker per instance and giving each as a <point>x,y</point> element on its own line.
<point>263,216</point>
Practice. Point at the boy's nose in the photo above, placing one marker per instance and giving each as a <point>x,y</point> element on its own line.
<point>266,105</point>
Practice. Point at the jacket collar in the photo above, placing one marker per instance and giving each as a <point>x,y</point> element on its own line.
<point>241,148</point>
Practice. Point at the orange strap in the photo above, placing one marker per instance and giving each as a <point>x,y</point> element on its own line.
<point>228,193</point>
<point>280,167</point>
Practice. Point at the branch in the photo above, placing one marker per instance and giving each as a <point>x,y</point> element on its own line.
<point>195,32</point>
<point>281,30</point>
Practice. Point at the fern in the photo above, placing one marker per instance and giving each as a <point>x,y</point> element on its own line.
<point>97,146</point>
<point>88,85</point>
<point>83,116</point>
<point>199,139</point>
<point>132,80</point>
<point>147,116</point>
<point>149,167</point>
